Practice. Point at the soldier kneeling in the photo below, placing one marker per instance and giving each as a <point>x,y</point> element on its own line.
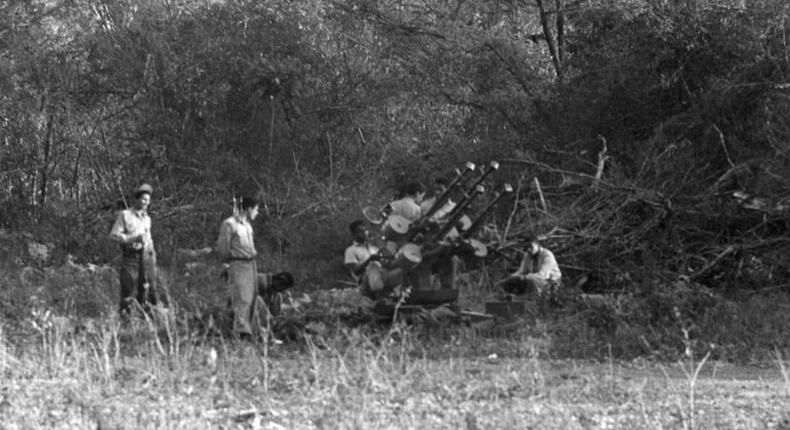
<point>270,285</point>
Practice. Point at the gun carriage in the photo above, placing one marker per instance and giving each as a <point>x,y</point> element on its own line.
<point>446,231</point>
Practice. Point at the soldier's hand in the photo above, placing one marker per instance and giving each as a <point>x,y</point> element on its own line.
<point>510,278</point>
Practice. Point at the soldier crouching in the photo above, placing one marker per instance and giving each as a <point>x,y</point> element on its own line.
<point>538,273</point>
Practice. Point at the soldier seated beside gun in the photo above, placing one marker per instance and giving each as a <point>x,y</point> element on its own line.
<point>538,273</point>
<point>270,287</point>
<point>376,275</point>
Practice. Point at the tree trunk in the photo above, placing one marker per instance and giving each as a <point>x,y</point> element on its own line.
<point>559,5</point>
<point>551,42</point>
<point>45,159</point>
<point>75,178</point>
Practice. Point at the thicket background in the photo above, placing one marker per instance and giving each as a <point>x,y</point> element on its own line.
<point>658,131</point>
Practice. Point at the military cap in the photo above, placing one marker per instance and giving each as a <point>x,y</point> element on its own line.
<point>143,189</point>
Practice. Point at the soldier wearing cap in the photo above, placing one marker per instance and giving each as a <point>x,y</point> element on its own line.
<point>132,230</point>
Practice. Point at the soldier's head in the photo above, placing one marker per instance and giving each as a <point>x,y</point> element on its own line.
<point>248,207</point>
<point>142,196</point>
<point>439,186</point>
<point>533,244</point>
<point>359,230</point>
<point>282,281</point>
<point>414,190</point>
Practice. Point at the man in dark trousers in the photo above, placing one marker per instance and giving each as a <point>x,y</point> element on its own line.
<point>132,230</point>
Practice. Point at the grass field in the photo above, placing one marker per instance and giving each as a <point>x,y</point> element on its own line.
<point>66,363</point>
<point>105,377</point>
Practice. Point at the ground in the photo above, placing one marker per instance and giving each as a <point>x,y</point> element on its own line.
<point>358,380</point>
<point>60,371</point>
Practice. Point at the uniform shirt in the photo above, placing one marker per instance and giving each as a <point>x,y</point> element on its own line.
<point>358,253</point>
<point>440,216</point>
<point>543,264</point>
<point>407,208</point>
<point>442,212</point>
<point>130,223</point>
<point>236,240</point>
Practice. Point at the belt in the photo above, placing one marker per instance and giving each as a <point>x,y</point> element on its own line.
<point>129,252</point>
<point>241,259</point>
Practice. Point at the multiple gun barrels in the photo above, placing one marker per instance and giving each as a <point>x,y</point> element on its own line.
<point>446,227</point>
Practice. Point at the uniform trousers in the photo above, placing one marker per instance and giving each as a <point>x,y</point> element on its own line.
<point>243,283</point>
<point>138,281</point>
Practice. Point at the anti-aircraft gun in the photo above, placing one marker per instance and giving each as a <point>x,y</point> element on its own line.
<point>430,239</point>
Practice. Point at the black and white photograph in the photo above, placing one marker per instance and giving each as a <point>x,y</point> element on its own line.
<point>395,214</point>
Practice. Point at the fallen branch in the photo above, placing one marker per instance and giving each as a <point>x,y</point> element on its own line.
<point>602,157</point>
<point>708,267</point>
<point>590,178</point>
<point>540,193</point>
<point>723,145</point>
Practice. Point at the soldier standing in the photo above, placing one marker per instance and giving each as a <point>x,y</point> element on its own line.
<point>132,230</point>
<point>236,248</point>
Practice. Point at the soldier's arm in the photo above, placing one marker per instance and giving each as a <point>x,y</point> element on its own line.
<point>523,268</point>
<point>117,232</point>
<point>223,241</point>
<point>549,266</point>
<point>356,267</point>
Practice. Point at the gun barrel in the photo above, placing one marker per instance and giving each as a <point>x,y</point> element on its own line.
<point>492,167</point>
<point>458,211</point>
<point>425,222</point>
<point>507,189</point>
<point>445,196</point>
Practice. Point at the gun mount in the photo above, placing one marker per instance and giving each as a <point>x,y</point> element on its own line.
<point>445,233</point>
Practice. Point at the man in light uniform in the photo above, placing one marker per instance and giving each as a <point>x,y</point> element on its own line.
<point>407,208</point>
<point>132,230</point>
<point>409,205</point>
<point>538,272</point>
<point>236,248</point>
<point>364,262</point>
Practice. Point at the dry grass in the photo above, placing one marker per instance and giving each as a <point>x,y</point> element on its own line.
<point>113,378</point>
<point>169,372</point>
